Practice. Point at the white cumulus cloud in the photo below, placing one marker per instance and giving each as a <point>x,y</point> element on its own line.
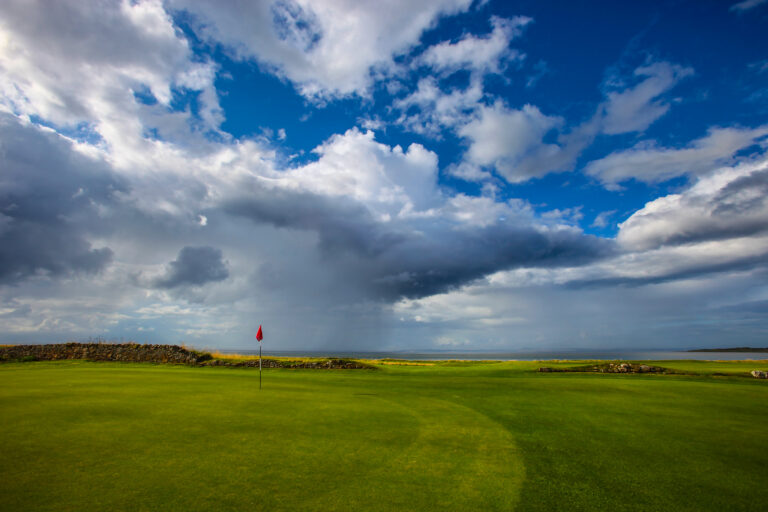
<point>510,140</point>
<point>327,48</point>
<point>485,54</point>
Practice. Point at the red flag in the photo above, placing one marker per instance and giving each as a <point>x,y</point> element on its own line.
<point>259,335</point>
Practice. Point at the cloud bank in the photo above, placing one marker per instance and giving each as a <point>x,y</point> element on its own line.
<point>445,210</point>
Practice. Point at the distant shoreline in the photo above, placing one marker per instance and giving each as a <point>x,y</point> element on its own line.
<point>732,349</point>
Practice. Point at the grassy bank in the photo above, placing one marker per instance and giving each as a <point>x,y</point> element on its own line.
<point>433,436</point>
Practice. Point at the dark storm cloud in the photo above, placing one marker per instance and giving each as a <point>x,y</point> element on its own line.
<point>394,261</point>
<point>341,224</point>
<point>420,266</point>
<point>49,197</point>
<point>195,266</point>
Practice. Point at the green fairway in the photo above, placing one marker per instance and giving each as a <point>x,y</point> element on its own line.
<point>448,436</point>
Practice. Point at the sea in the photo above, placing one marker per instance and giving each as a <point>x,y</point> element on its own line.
<point>647,355</point>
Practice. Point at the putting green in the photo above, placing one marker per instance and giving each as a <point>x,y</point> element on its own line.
<point>88,436</point>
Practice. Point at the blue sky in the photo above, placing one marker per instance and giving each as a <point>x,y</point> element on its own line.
<point>447,174</point>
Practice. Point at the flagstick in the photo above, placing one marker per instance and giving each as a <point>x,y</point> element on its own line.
<point>259,365</point>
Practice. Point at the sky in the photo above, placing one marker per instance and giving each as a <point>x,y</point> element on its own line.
<point>404,175</point>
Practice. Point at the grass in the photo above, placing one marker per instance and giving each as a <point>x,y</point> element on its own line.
<point>285,362</point>
<point>453,435</point>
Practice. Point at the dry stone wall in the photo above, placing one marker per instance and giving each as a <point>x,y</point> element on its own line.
<point>126,352</point>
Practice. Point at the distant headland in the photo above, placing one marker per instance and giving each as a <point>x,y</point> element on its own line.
<point>732,349</point>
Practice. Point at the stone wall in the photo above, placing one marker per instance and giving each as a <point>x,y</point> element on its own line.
<point>127,352</point>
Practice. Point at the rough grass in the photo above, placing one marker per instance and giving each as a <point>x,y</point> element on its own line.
<point>284,361</point>
<point>228,356</point>
<point>451,436</point>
